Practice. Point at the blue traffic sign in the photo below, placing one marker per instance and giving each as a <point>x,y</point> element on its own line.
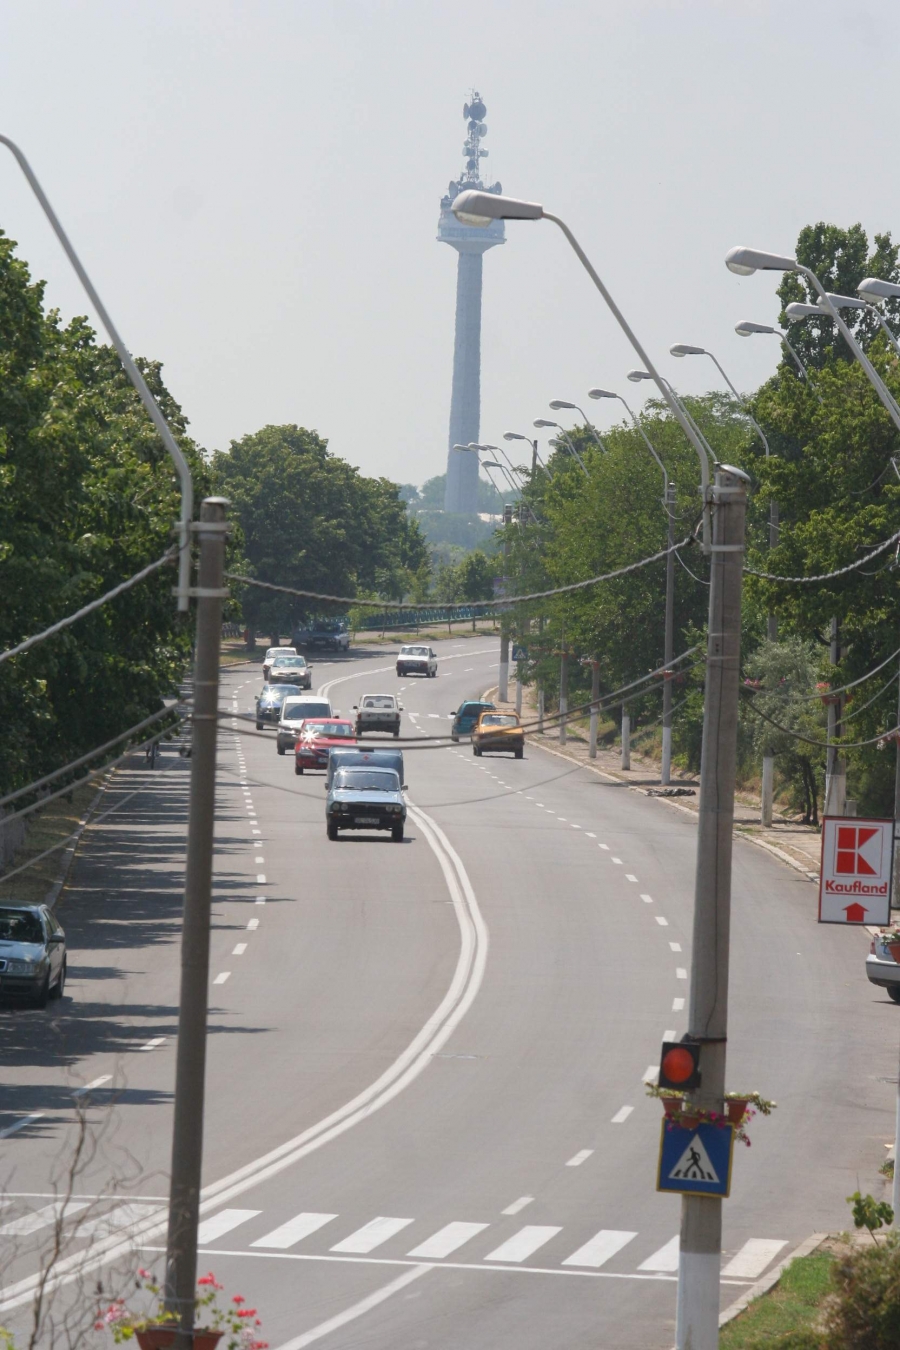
<point>695,1160</point>
<point>519,653</point>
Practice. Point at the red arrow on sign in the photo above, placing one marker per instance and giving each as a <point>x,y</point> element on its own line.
<point>856,913</point>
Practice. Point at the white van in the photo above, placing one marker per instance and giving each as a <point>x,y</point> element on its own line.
<point>294,712</point>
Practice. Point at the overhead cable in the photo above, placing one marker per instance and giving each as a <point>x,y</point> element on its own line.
<point>825,691</point>
<point>828,576</point>
<point>823,745</point>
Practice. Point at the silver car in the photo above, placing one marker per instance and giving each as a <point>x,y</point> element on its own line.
<point>32,954</point>
<point>294,712</point>
<point>882,969</point>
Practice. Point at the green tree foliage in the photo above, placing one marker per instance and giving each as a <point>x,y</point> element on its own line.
<point>88,496</point>
<point>312,521</point>
<point>779,678</point>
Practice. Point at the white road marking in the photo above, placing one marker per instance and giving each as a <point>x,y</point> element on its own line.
<point>239,949</point>
<point>605,847</point>
<point>259,860</point>
<point>579,1158</point>
<point>261,879</point>
<point>629,876</point>
<point>617,861</point>
<point>600,1248</point>
<point>665,1259</point>
<point>680,973</point>
<point>651,1073</point>
<point>448,1239</point>
<point>753,1257</point>
<point>220,979</point>
<point>287,1234</point>
<point>677,1004</point>
<point>252,924</point>
<point>669,1035</point>
<point>222,1223</point>
<point>89,1087</point>
<point>20,1125</point>
<point>256,831</point>
<point>518,1205</point>
<point>152,1045</point>
<point>576,827</point>
<point>621,1115</point>
<point>647,899</point>
<point>123,1216</point>
<point>371,1235</point>
<point>356,1310</point>
<point>562,818</point>
<point>522,1244</point>
<point>42,1218</point>
<point>663,923</point>
<point>675,946</point>
<point>590,835</point>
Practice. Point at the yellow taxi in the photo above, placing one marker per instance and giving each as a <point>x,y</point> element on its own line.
<point>498,731</point>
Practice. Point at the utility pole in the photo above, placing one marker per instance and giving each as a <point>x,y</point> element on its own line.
<point>669,655</point>
<point>697,1320</point>
<point>895,1196</point>
<point>835,768</point>
<point>503,691</point>
<point>595,707</point>
<point>626,737</point>
<point>767,793</point>
<point>563,689</point>
<point>190,1066</point>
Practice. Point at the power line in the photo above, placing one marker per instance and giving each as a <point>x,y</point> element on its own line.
<point>168,556</point>
<point>827,576</point>
<point>842,689</point>
<point>822,745</point>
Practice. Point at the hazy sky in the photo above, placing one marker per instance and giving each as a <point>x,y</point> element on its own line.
<point>255,188</point>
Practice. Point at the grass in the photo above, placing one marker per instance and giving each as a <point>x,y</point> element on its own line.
<point>48,827</point>
<point>792,1305</point>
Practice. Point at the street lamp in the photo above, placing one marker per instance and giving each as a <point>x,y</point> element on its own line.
<point>746,328</point>
<point>558,403</point>
<point>669,652</point>
<point>682,349</point>
<point>480,208</point>
<point>535,457</point>
<point>851,302</point>
<point>796,311</point>
<point>467,448</point>
<point>635,376</point>
<point>543,422</point>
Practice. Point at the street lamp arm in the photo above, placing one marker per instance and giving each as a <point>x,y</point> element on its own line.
<point>672,403</point>
<point>875,379</point>
<point>747,411</point>
<point>648,444</point>
<point>137,379</point>
<point>570,443</point>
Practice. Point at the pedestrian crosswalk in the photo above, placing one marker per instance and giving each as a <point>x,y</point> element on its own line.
<point>502,1241</point>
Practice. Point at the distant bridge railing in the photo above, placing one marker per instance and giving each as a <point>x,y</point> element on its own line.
<point>425,615</point>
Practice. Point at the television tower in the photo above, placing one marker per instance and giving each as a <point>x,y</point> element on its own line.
<point>471,243</point>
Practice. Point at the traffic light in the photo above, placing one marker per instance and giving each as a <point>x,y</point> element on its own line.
<point>679,1065</point>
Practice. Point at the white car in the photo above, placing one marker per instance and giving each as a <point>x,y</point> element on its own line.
<point>270,657</point>
<point>378,712</point>
<point>416,660</point>
<point>882,969</point>
<point>294,712</point>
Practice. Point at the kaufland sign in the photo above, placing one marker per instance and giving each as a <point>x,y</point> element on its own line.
<point>857,863</point>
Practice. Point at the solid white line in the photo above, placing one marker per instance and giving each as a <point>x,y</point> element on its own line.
<point>20,1124</point>
<point>677,1004</point>
<point>447,1239</point>
<point>239,949</point>
<point>89,1087</point>
<point>517,1205</point>
<point>371,1235</point>
<point>356,1310</point>
<point>663,923</point>
<point>522,1244</point>
<point>220,979</point>
<point>665,1259</point>
<point>600,1248</point>
<point>579,1158</point>
<point>621,1115</point>
<point>753,1257</point>
<point>41,1218</point>
<point>286,1234</point>
<point>222,1223</point>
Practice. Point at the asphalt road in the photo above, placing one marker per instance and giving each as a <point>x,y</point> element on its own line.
<point>426,1122</point>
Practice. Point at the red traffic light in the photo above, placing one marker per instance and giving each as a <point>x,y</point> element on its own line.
<point>679,1065</point>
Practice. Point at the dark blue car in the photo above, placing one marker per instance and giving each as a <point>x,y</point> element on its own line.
<point>465,717</point>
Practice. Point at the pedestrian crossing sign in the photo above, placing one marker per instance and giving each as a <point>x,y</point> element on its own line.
<point>695,1160</point>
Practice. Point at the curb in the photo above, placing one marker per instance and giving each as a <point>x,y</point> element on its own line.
<point>68,854</point>
<point>769,1281</point>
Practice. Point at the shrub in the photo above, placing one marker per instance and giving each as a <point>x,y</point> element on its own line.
<point>864,1311</point>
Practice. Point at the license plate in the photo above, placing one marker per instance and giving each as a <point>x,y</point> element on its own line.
<point>367,820</point>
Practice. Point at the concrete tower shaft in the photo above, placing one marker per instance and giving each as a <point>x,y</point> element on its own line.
<point>471,243</point>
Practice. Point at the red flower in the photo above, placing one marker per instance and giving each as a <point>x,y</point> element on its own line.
<point>246,1312</point>
<point>145,1274</point>
<point>239,1298</point>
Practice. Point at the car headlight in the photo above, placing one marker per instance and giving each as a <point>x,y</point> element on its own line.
<point>25,967</point>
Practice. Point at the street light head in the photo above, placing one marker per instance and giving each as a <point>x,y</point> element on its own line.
<point>682,349</point>
<point>846,301</point>
<point>467,448</point>
<point>601,393</point>
<point>542,422</point>
<point>797,311</point>
<point>745,328</point>
<point>491,464</point>
<point>873,288</point>
<point>745,261</point>
<point>514,436</point>
<point>635,376</point>
<point>480,208</point>
<point>558,403</point>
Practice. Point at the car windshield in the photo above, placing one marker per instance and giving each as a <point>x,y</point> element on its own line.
<point>472,709</point>
<point>295,712</point>
<point>289,662</point>
<point>499,720</point>
<point>20,925</point>
<point>279,692</point>
<point>367,780</point>
<point>384,701</point>
<point>415,651</point>
<point>330,729</point>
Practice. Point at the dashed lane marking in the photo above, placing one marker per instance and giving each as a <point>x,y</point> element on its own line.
<point>622,1115</point>
<point>518,1205</point>
<point>579,1158</point>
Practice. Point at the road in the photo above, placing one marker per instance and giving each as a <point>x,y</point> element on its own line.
<point>426,1121</point>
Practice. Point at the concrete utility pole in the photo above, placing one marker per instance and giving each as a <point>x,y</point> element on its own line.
<point>595,707</point>
<point>697,1320</point>
<point>626,737</point>
<point>563,689</point>
<point>835,766</point>
<point>190,1066</point>
<point>669,654</point>
<point>503,691</point>
<point>767,793</point>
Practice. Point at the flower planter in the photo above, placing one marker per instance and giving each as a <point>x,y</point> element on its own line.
<point>736,1108</point>
<point>894,949</point>
<point>162,1337</point>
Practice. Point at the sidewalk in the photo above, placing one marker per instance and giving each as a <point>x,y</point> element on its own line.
<point>798,845</point>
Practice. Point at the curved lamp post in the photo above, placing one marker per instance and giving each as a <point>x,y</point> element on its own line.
<point>635,376</point>
<point>557,404</point>
<point>746,328</point>
<point>480,208</point>
<point>851,302</point>
<point>567,441</point>
<point>682,349</point>
<point>181,465</point>
<point>669,653</point>
<point>535,457</point>
<point>474,449</point>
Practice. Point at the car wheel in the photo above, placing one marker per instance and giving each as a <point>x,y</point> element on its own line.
<point>476,751</point>
<point>298,768</point>
<point>397,834</point>
<point>43,995</point>
<point>520,753</point>
<point>259,726</point>
<point>281,749</point>
<point>57,990</point>
<point>454,739</point>
<point>894,992</point>
<point>332,831</point>
<point>396,733</point>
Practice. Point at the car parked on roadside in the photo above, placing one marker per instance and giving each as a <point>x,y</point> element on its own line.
<point>417,660</point>
<point>365,799</point>
<point>330,634</point>
<point>294,712</point>
<point>357,756</point>
<point>466,715</point>
<point>498,731</point>
<point>291,670</point>
<point>269,701</point>
<point>318,738</point>
<point>881,968</point>
<point>378,712</point>
<point>32,954</point>
<point>271,655</point>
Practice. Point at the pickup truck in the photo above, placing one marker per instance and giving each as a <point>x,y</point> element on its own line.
<point>378,712</point>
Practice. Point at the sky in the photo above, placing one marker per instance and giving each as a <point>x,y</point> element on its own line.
<point>254,189</point>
